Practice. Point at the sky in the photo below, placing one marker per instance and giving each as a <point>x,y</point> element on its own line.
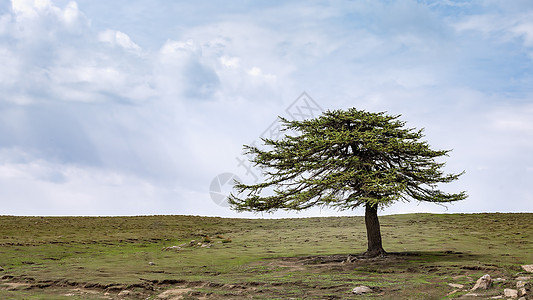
<point>143,107</point>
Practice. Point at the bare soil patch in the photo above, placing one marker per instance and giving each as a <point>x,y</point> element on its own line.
<point>337,262</point>
<point>13,286</point>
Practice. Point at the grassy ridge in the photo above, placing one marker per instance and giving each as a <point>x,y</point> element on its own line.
<point>90,256</point>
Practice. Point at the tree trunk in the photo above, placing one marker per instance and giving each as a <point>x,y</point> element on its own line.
<point>373,232</point>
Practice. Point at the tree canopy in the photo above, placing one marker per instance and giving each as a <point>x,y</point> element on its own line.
<point>344,159</point>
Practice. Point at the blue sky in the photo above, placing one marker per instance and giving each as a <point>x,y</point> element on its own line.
<point>135,107</point>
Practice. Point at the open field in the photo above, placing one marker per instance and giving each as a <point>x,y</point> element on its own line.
<point>152,257</point>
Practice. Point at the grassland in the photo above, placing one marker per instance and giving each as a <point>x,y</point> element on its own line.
<point>314,258</point>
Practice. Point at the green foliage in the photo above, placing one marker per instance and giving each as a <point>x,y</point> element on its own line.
<point>344,159</point>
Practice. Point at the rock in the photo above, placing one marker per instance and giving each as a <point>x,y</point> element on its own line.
<point>176,248</point>
<point>499,280</point>
<point>512,293</point>
<point>523,287</point>
<point>470,295</point>
<point>523,278</point>
<point>497,297</point>
<point>1,269</point>
<point>452,292</point>
<point>174,294</point>
<point>125,293</point>
<point>192,243</point>
<point>456,285</point>
<point>349,259</point>
<point>484,282</point>
<point>151,263</point>
<point>528,268</point>
<point>361,290</point>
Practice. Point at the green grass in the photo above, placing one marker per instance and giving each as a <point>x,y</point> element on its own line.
<point>98,257</point>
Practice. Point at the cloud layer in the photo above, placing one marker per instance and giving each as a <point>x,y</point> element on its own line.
<point>134,108</point>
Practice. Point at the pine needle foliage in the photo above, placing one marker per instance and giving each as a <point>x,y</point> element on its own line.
<point>344,159</point>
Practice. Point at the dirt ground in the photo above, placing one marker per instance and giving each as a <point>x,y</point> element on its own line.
<point>316,264</point>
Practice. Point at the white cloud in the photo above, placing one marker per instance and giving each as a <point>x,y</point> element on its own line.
<point>93,80</point>
<point>64,190</point>
<point>31,8</point>
<point>11,67</point>
<point>70,14</point>
<point>230,62</point>
<point>513,124</point>
<point>483,23</point>
<point>99,75</point>
<point>5,24</point>
<point>525,30</point>
<point>255,71</point>
<point>118,38</point>
<point>502,27</point>
<point>33,13</point>
<point>172,47</point>
<point>183,70</point>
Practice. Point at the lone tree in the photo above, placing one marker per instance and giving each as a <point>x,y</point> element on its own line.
<point>343,160</point>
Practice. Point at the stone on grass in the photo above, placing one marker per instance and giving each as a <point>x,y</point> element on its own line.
<point>470,295</point>
<point>125,293</point>
<point>361,290</point>
<point>523,287</point>
<point>175,248</point>
<point>483,283</point>
<point>456,285</point>
<point>528,268</point>
<point>512,293</point>
<point>452,292</point>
